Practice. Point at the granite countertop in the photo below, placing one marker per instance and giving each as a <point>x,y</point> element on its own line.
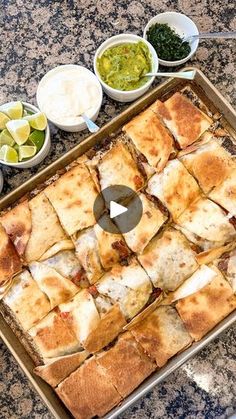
<point>38,35</point>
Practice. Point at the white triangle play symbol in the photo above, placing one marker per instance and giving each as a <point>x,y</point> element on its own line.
<point>116,209</point>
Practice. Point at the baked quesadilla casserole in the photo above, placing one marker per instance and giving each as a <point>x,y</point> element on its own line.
<point>99,312</point>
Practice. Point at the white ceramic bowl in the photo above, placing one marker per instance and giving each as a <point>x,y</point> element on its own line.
<point>92,114</point>
<point>182,25</point>
<point>120,95</point>
<point>40,156</point>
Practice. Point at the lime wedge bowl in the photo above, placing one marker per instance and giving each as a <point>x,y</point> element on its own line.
<point>17,151</point>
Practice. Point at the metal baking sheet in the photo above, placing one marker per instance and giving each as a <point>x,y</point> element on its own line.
<point>215,102</point>
<point>171,366</point>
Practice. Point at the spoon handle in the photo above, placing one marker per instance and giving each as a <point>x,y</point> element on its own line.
<point>206,35</point>
<point>189,75</point>
<point>92,127</point>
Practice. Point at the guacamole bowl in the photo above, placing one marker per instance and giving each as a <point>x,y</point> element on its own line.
<point>143,49</point>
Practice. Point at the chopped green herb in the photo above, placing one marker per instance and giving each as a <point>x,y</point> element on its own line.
<point>167,43</point>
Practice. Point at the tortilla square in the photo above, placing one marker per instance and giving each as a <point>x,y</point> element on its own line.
<point>97,250</point>
<point>108,328</point>
<point>66,264</point>
<point>73,196</point>
<point>162,334</point>
<point>57,288</point>
<point>168,260</point>
<point>81,315</point>
<point>185,121</point>
<point>87,392</point>
<point>208,222</point>
<point>204,309</point>
<point>103,303</point>
<point>212,255</point>
<point>126,364</point>
<point>129,286</point>
<point>61,246</point>
<point>150,137</point>
<point>57,369</point>
<point>87,252</point>
<point>46,228</point>
<point>10,263</point>
<point>225,194</point>
<point>17,224</point>
<point>28,303</point>
<point>175,188</point>
<point>151,221</point>
<point>117,167</point>
<point>52,337</point>
<point>111,247</point>
<point>227,265</point>
<point>210,164</point>
<point>199,279</point>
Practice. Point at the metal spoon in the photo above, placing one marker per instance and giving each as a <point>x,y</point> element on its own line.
<point>92,127</point>
<point>206,35</point>
<point>189,75</point>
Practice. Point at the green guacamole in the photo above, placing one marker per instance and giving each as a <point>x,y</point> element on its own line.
<point>122,66</point>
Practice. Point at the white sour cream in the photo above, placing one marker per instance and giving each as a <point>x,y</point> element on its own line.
<point>66,92</point>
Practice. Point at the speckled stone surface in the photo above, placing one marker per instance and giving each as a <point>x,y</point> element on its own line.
<point>35,37</point>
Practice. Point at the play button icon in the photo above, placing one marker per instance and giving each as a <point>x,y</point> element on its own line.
<point>118,209</point>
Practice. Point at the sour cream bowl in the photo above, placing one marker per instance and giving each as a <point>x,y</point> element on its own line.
<point>67,91</point>
<point>125,95</point>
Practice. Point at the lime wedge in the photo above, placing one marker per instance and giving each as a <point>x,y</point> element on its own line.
<point>13,110</point>
<point>19,129</point>
<point>27,112</point>
<point>16,147</point>
<point>37,121</point>
<point>26,151</point>
<point>3,120</point>
<point>8,154</point>
<point>6,138</point>
<point>37,138</point>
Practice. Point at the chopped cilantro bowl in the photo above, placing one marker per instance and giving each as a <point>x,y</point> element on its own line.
<point>167,43</point>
